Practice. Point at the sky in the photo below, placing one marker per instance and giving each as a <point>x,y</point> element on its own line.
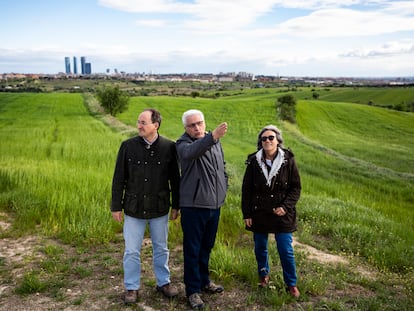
<point>318,38</point>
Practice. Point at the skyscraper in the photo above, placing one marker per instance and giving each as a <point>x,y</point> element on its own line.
<point>88,68</point>
<point>83,62</point>
<point>67,65</point>
<point>75,65</point>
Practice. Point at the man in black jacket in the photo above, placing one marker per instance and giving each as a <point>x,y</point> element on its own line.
<point>203,189</point>
<point>145,184</point>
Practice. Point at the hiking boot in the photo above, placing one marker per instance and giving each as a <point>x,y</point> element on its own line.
<point>213,288</point>
<point>168,290</point>
<point>294,291</point>
<point>131,296</point>
<point>264,281</point>
<point>195,301</point>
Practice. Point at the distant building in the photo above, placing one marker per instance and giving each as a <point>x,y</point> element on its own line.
<point>67,65</point>
<point>75,65</point>
<point>83,63</point>
<point>88,68</point>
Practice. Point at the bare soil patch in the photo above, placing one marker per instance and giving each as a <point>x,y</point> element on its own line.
<point>103,288</point>
<point>92,279</point>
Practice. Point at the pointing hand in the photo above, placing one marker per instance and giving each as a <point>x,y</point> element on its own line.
<point>220,131</point>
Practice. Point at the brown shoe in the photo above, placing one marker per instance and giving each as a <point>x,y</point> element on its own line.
<point>131,296</point>
<point>196,302</point>
<point>294,291</point>
<point>264,281</point>
<point>168,290</point>
<point>213,288</point>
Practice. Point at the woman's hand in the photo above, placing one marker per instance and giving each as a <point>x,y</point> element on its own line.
<point>279,211</point>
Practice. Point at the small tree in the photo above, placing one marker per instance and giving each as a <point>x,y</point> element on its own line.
<point>195,94</point>
<point>286,108</point>
<point>113,100</point>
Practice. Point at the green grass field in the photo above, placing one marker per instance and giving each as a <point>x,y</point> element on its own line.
<point>355,162</point>
<point>344,168</point>
<point>55,166</point>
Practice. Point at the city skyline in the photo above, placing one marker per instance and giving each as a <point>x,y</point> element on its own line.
<point>372,38</point>
<point>86,68</point>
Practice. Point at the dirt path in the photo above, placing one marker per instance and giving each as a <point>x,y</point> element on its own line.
<point>102,289</point>
<point>85,279</point>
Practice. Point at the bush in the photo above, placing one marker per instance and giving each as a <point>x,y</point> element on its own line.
<point>286,108</point>
<point>113,100</point>
<point>195,94</point>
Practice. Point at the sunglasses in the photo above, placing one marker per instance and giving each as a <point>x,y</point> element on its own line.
<point>264,138</point>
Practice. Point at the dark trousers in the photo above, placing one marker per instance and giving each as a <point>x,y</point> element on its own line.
<point>199,227</point>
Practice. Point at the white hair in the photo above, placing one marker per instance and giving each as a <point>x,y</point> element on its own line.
<point>189,113</point>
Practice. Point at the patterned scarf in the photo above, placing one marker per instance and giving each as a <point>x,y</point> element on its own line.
<point>277,163</point>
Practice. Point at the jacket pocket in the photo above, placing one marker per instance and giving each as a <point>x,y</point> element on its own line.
<point>163,201</point>
<point>131,203</point>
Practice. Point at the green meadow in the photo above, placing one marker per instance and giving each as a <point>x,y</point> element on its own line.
<point>356,163</point>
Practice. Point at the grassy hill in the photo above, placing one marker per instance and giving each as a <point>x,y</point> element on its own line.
<point>383,97</point>
<point>355,162</point>
<point>341,155</point>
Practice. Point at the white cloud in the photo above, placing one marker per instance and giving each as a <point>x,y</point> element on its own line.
<point>205,15</point>
<point>227,15</point>
<point>326,18</point>
<point>387,49</point>
<point>212,7</point>
<point>146,6</point>
<point>404,8</point>
<point>151,23</point>
<point>342,23</point>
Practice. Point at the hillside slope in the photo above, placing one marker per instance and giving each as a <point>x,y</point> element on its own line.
<point>57,160</point>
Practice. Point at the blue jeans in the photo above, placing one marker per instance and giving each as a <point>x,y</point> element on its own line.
<point>199,227</point>
<point>286,255</point>
<point>134,230</point>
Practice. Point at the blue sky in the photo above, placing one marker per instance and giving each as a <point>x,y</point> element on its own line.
<point>372,38</point>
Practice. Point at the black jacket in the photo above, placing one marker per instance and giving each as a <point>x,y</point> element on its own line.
<point>258,199</point>
<point>146,178</point>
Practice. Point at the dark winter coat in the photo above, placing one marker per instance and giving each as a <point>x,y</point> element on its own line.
<point>258,199</point>
<point>146,178</point>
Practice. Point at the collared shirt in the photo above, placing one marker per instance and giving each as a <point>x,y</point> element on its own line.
<point>150,143</point>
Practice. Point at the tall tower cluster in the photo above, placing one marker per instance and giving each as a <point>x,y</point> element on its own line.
<point>86,68</point>
<point>75,65</point>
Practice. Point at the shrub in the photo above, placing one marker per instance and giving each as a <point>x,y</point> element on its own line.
<point>286,108</point>
<point>113,100</point>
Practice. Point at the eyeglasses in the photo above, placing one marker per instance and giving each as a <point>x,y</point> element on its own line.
<point>264,138</point>
<point>193,125</point>
<point>143,123</point>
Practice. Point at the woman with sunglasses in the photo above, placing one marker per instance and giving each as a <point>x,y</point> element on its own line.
<point>271,188</point>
